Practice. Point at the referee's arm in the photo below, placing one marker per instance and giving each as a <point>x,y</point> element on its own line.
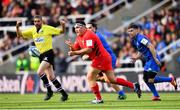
<point>18,32</point>
<point>63,27</point>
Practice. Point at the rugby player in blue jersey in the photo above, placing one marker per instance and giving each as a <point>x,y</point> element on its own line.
<point>93,27</point>
<point>152,61</point>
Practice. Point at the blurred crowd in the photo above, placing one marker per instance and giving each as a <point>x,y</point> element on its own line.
<point>8,42</point>
<point>162,28</point>
<point>29,8</point>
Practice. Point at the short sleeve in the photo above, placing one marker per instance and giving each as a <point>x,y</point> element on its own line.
<point>143,40</point>
<point>89,40</point>
<point>54,31</point>
<point>27,33</point>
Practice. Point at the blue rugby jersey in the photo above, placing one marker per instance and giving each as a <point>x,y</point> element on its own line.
<point>107,47</point>
<point>140,42</point>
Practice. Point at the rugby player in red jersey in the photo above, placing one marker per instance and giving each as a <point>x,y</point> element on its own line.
<point>88,43</point>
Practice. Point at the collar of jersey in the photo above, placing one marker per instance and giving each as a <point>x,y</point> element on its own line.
<point>135,38</point>
<point>40,29</point>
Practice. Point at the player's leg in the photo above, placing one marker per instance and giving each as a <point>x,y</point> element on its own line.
<point>103,78</point>
<point>149,80</point>
<point>42,75</point>
<point>171,79</point>
<point>121,93</point>
<point>112,79</point>
<point>56,83</point>
<point>91,77</point>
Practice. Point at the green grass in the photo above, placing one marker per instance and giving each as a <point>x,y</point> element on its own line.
<point>78,101</point>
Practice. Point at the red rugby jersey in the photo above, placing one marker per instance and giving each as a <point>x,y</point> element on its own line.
<point>90,40</point>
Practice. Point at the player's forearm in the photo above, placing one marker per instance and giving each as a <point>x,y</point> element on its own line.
<point>72,48</point>
<point>18,32</point>
<point>83,51</point>
<point>153,51</point>
<point>63,28</point>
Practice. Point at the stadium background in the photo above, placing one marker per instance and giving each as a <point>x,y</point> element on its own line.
<point>159,20</point>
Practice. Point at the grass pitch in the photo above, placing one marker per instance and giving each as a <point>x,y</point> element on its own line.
<point>78,101</point>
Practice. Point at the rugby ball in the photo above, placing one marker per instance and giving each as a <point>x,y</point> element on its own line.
<point>33,51</point>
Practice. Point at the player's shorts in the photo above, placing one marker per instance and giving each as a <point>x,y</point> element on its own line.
<point>47,56</point>
<point>149,75</point>
<point>151,65</point>
<point>103,63</point>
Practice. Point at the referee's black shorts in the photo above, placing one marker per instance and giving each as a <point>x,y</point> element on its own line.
<point>47,56</point>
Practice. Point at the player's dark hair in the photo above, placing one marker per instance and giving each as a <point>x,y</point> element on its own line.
<point>80,22</point>
<point>38,17</point>
<point>133,25</point>
<point>93,24</point>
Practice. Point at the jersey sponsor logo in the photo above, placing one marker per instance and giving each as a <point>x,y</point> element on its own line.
<point>41,39</point>
<point>144,41</point>
<point>89,43</point>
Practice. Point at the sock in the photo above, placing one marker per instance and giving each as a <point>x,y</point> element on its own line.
<point>46,82</point>
<point>125,83</point>
<point>153,89</point>
<point>57,84</point>
<point>159,79</point>
<point>121,93</point>
<point>95,90</point>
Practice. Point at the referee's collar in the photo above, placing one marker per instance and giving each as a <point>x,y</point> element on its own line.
<point>41,29</point>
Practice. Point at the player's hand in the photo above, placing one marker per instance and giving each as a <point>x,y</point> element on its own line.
<point>158,62</point>
<point>18,23</point>
<point>69,43</point>
<point>85,57</point>
<point>71,53</point>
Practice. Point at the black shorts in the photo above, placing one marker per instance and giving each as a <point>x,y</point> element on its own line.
<point>47,56</point>
<point>149,75</point>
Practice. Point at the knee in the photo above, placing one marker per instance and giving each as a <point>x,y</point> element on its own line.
<point>148,80</point>
<point>149,77</point>
<point>151,80</point>
<point>111,80</point>
<point>39,72</point>
<point>51,77</point>
<point>89,77</point>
